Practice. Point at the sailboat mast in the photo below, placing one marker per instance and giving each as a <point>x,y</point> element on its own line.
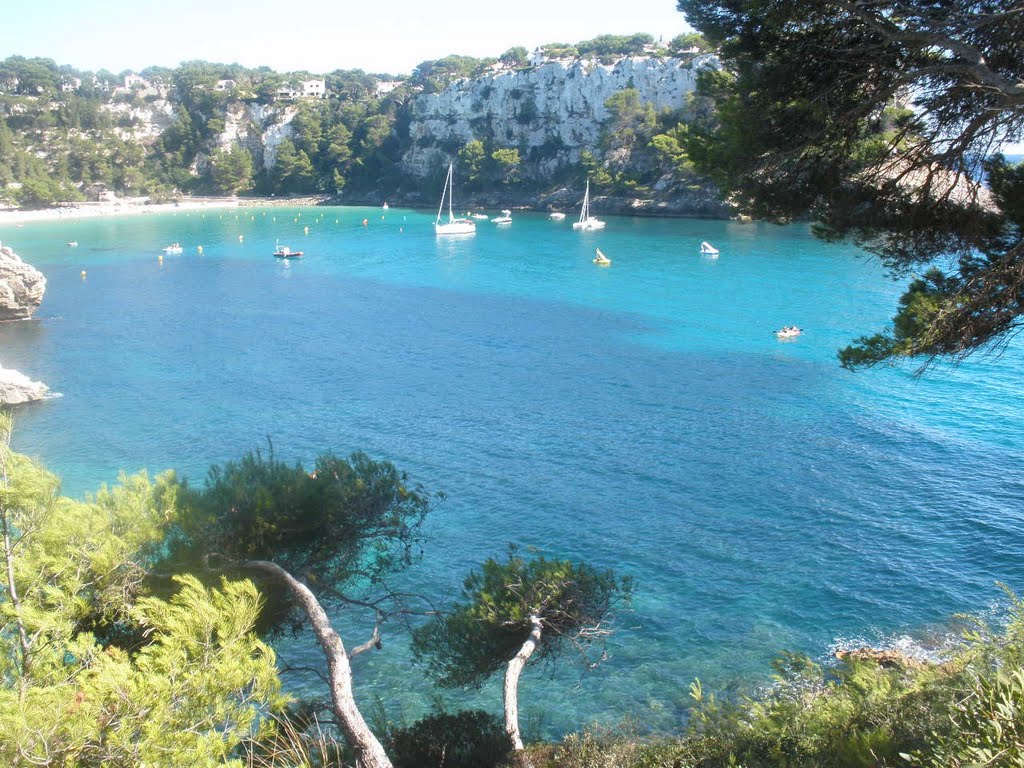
<point>444,191</point>
<point>451,184</point>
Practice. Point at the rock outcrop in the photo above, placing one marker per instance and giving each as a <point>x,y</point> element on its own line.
<point>551,112</point>
<point>21,287</point>
<point>17,388</point>
<point>886,658</point>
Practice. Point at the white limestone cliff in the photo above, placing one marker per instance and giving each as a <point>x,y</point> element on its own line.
<point>557,107</point>
<point>17,388</point>
<point>21,287</point>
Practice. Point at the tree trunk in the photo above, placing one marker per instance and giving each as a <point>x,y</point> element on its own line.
<point>369,752</point>
<point>12,592</point>
<point>26,659</point>
<point>512,673</point>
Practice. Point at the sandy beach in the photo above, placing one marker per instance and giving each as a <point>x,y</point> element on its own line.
<point>140,206</point>
<point>13,216</point>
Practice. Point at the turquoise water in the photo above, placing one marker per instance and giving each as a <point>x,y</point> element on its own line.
<point>642,416</point>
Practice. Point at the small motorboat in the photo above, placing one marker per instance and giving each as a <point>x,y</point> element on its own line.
<point>173,249</point>
<point>284,252</point>
<point>788,332</point>
<point>505,218</point>
<point>707,249</point>
<point>479,216</point>
<point>556,216</point>
<point>600,259</point>
<point>73,244</point>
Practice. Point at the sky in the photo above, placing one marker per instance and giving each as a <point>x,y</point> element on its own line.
<point>314,35</point>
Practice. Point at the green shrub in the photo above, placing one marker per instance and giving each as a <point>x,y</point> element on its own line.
<point>468,739</point>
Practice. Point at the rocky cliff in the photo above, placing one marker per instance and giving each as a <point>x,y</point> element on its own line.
<point>21,287</point>
<point>17,388</point>
<point>554,111</point>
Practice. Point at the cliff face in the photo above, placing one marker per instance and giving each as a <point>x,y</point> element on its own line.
<point>17,388</point>
<point>260,128</point>
<point>21,287</point>
<point>556,109</point>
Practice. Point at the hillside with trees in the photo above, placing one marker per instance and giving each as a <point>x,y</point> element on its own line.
<point>206,128</point>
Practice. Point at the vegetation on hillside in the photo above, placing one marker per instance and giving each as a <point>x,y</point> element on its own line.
<point>67,135</point>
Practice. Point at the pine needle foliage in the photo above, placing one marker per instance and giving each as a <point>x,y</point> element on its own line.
<point>573,601</point>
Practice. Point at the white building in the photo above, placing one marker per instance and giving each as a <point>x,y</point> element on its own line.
<point>307,89</point>
<point>537,58</point>
<point>313,89</point>
<point>385,87</point>
<point>135,81</point>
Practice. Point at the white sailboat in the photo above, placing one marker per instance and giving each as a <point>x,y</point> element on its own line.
<point>586,221</point>
<point>453,226</point>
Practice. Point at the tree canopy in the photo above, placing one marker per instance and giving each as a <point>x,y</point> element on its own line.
<point>876,119</point>
<point>329,536</point>
<point>512,609</point>
<point>192,686</point>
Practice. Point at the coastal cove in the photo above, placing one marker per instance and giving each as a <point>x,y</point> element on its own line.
<point>642,416</point>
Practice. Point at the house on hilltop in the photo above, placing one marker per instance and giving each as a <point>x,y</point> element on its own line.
<point>131,80</point>
<point>385,87</point>
<point>306,89</point>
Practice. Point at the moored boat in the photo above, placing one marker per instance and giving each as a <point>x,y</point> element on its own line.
<point>788,332</point>
<point>600,259</point>
<point>453,226</point>
<point>284,252</point>
<point>505,218</point>
<point>707,249</point>
<point>173,249</point>
<point>586,221</point>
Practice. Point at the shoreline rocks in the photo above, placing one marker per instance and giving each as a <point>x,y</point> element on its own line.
<point>886,658</point>
<point>21,287</point>
<point>17,388</point>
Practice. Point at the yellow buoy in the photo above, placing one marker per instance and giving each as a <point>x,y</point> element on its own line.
<point>240,238</point>
<point>199,248</point>
<point>160,259</point>
<point>83,274</point>
<point>305,230</point>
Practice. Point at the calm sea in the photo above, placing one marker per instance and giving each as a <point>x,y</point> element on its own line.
<point>641,416</point>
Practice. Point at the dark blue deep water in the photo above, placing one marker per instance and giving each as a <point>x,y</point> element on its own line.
<point>641,416</point>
